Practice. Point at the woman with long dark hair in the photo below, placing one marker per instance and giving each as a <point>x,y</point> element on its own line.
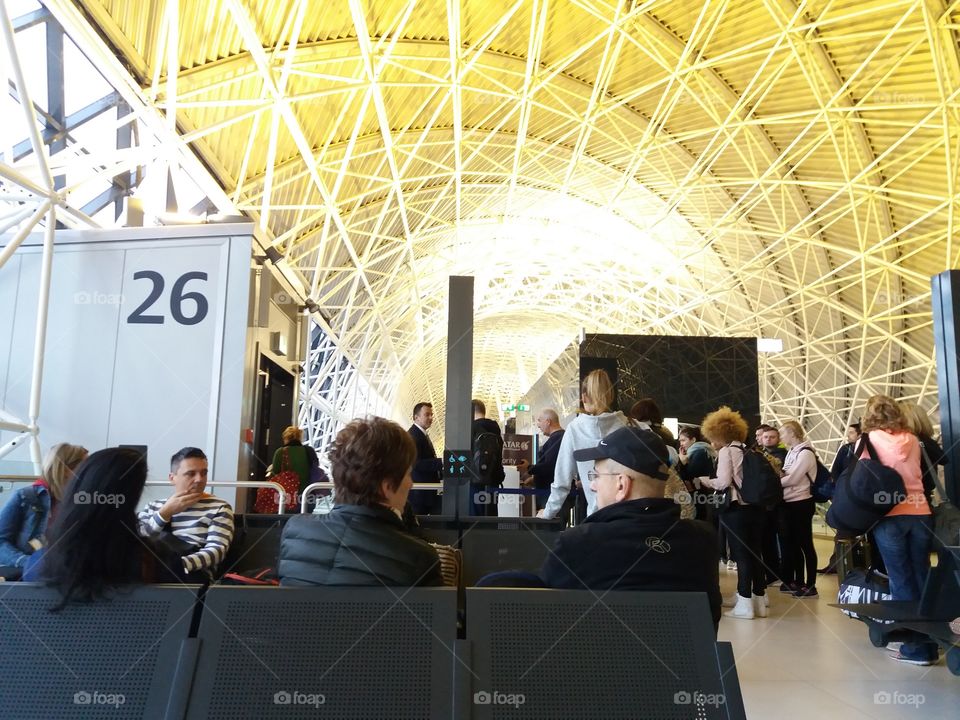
<point>93,544</point>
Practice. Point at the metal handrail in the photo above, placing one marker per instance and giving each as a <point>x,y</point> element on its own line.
<point>247,484</point>
<point>327,485</point>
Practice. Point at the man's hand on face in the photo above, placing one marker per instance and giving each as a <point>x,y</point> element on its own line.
<point>180,501</point>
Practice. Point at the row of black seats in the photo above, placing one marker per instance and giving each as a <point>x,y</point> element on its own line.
<point>488,544</point>
<point>363,653</point>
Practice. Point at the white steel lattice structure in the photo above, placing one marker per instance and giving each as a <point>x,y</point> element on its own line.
<point>777,168</point>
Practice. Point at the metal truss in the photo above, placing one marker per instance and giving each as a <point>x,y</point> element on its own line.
<point>779,168</point>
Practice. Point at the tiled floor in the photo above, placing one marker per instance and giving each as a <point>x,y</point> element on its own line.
<point>808,660</point>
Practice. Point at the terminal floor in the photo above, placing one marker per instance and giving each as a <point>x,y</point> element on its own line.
<point>808,660</point>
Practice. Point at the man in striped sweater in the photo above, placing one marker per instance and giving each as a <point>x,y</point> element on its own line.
<point>200,520</point>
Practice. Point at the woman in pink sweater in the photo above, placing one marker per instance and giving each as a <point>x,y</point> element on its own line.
<point>795,514</point>
<point>904,535</point>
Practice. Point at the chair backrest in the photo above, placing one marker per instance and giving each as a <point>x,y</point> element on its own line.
<point>113,658</point>
<point>256,543</point>
<point>605,655</point>
<point>487,550</point>
<point>325,652</point>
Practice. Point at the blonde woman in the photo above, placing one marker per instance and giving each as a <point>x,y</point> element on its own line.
<point>598,420</point>
<point>931,454</point>
<point>795,514</point>
<point>24,519</point>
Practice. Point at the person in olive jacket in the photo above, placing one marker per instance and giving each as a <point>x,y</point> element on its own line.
<point>363,540</point>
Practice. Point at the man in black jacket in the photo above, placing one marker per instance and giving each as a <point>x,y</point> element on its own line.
<point>428,468</point>
<point>636,539</point>
<point>541,474</point>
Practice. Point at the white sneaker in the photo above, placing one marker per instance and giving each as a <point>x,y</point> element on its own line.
<point>760,605</point>
<point>743,610</point>
<point>731,600</point>
<point>731,565</point>
<point>766,600</point>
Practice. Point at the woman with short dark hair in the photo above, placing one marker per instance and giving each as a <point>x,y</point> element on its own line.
<point>363,540</point>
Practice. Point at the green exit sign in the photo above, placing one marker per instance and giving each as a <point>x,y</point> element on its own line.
<point>523,408</point>
<point>507,408</point>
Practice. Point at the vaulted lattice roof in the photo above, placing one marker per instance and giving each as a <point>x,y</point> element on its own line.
<point>772,168</point>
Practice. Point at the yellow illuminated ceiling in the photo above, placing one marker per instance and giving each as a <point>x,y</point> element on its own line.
<point>750,167</point>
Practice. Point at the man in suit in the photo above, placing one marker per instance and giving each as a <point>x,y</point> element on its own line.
<point>428,468</point>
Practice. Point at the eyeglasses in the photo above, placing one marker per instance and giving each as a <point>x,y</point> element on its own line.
<point>593,475</point>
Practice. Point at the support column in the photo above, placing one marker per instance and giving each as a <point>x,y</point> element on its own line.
<point>945,297</point>
<point>457,415</point>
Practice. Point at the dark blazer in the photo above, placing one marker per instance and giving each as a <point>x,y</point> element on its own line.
<point>355,545</point>
<point>638,545</point>
<point>428,467</point>
<point>544,469</point>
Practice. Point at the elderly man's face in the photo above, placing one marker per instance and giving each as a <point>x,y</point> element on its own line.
<point>543,423</point>
<point>605,483</point>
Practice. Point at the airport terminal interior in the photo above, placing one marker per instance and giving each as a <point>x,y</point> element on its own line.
<point>247,226</point>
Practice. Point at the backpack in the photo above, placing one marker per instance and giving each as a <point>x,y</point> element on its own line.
<point>761,482</point>
<point>821,485</point>
<point>488,458</point>
<point>865,492</point>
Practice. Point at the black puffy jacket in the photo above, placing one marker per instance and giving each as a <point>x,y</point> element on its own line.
<point>355,545</point>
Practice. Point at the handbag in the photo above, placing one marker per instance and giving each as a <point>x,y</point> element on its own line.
<point>866,491</point>
<point>946,515</point>
<point>863,587</point>
<point>268,500</point>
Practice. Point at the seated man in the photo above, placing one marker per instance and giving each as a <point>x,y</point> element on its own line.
<point>364,540</point>
<point>201,525</point>
<point>636,539</point>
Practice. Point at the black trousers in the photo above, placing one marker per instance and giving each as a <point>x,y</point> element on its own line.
<point>772,558</point>
<point>744,526</point>
<point>796,535</point>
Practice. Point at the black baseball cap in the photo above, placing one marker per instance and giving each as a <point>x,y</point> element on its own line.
<point>636,448</point>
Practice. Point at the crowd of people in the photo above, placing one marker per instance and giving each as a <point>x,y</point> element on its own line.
<point>79,529</point>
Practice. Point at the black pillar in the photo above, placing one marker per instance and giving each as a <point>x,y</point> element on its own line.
<point>457,415</point>
<point>945,296</point>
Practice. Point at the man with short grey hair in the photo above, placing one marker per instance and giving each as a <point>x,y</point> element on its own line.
<point>541,474</point>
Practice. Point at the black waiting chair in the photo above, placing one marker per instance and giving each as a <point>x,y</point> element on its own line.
<point>124,657</point>
<point>576,653</point>
<point>489,549</point>
<point>332,652</point>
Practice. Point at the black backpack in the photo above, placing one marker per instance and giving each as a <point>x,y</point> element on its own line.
<point>488,458</point>
<point>761,481</point>
<point>822,484</point>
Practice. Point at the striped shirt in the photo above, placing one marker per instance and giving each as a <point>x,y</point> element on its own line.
<point>207,524</point>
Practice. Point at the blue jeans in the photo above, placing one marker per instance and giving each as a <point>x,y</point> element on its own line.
<point>904,542</point>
